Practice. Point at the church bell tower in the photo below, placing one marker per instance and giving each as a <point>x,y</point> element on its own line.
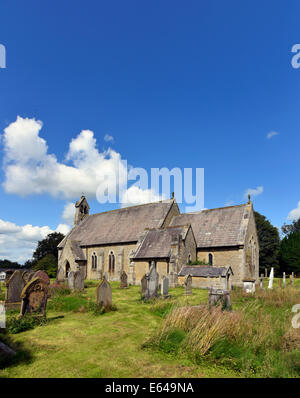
<point>82,209</point>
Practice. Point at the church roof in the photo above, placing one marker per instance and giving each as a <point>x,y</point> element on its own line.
<point>225,226</point>
<point>77,250</point>
<point>157,242</point>
<point>204,272</point>
<point>120,225</point>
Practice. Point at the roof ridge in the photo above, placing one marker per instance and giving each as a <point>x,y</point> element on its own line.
<point>216,208</point>
<point>131,207</point>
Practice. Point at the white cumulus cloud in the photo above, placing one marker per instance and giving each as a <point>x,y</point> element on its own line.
<point>69,213</point>
<point>108,138</point>
<point>17,243</point>
<point>295,213</point>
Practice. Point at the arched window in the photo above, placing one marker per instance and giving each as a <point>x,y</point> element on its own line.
<point>189,260</point>
<point>94,261</point>
<point>210,259</point>
<point>67,268</point>
<point>111,263</point>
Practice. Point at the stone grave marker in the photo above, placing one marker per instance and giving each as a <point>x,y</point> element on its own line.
<point>144,286</point>
<point>34,297</point>
<point>27,276</point>
<point>43,275</point>
<point>124,280</point>
<point>14,287</point>
<point>271,278</point>
<point>71,275</point>
<point>188,285</point>
<point>165,287</point>
<point>262,281</point>
<point>284,280</point>
<point>153,283</point>
<point>219,297</point>
<point>78,281</point>
<point>104,294</point>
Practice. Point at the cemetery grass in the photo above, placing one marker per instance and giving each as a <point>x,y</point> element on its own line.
<point>79,342</point>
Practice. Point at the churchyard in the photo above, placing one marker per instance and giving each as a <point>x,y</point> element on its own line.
<point>173,336</point>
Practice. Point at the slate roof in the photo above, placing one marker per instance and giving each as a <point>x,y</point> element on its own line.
<point>157,242</point>
<point>119,226</point>
<point>225,226</point>
<point>204,272</point>
<point>77,250</point>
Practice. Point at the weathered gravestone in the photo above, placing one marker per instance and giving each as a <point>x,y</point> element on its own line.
<point>262,281</point>
<point>71,280</point>
<point>144,286</point>
<point>42,275</point>
<point>104,294</point>
<point>14,287</point>
<point>219,297</point>
<point>78,281</point>
<point>153,283</point>
<point>124,280</point>
<point>27,276</point>
<point>271,278</point>
<point>284,280</point>
<point>249,285</point>
<point>188,285</point>
<point>34,297</point>
<point>165,287</point>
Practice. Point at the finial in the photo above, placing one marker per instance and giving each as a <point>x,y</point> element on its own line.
<point>172,195</point>
<point>249,198</point>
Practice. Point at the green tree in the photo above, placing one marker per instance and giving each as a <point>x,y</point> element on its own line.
<point>269,243</point>
<point>289,254</point>
<point>9,264</point>
<point>289,228</point>
<point>48,263</point>
<point>48,246</point>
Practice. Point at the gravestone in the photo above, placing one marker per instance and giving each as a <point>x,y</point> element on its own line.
<point>42,275</point>
<point>27,276</point>
<point>271,278</point>
<point>124,280</point>
<point>188,285</point>
<point>153,283</point>
<point>249,286</point>
<point>71,275</point>
<point>144,286</point>
<point>104,294</point>
<point>292,278</point>
<point>78,281</point>
<point>34,297</point>
<point>165,287</point>
<point>14,287</point>
<point>284,280</point>
<point>219,297</point>
<point>262,281</point>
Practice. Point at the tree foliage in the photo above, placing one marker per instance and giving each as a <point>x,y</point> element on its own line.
<point>289,254</point>
<point>289,228</point>
<point>9,264</point>
<point>48,263</point>
<point>48,246</point>
<point>269,243</point>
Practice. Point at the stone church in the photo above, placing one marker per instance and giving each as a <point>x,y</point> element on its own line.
<point>133,238</point>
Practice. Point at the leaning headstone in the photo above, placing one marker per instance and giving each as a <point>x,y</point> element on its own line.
<point>284,280</point>
<point>165,287</point>
<point>219,297</point>
<point>104,294</point>
<point>34,297</point>
<point>78,281</point>
<point>188,285</point>
<point>271,278</point>
<point>123,280</point>
<point>71,275</point>
<point>14,287</point>
<point>153,282</point>
<point>43,275</point>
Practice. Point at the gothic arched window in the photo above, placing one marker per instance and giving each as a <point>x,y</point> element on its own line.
<point>94,260</point>
<point>210,259</point>
<point>111,263</point>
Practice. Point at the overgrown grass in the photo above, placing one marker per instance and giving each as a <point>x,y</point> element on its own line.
<point>255,340</point>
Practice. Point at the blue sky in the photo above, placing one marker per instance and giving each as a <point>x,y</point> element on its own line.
<point>176,84</point>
